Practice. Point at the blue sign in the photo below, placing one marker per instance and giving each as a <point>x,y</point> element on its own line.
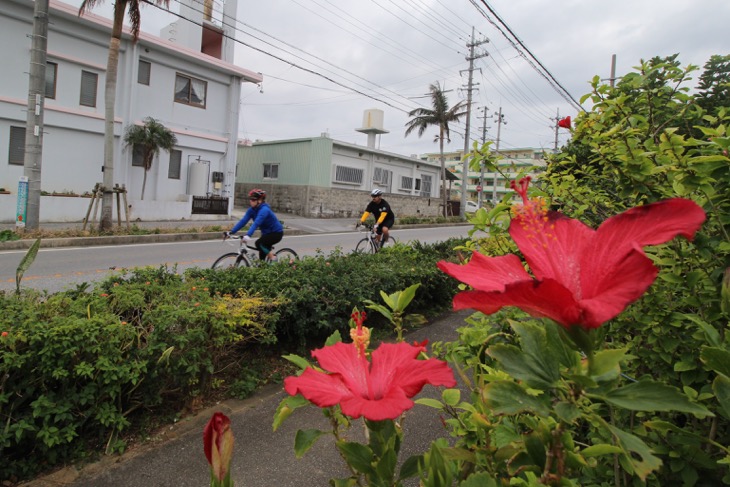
<point>22,207</point>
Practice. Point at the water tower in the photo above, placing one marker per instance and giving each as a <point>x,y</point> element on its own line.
<point>372,124</point>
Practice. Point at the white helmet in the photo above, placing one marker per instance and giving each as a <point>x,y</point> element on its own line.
<point>376,192</point>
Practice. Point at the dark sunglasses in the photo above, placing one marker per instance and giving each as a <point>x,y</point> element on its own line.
<point>253,199</point>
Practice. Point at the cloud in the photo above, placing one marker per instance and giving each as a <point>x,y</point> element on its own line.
<point>390,51</point>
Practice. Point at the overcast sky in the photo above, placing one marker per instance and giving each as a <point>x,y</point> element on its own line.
<point>391,50</point>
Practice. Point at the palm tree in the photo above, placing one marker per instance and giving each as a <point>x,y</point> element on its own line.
<point>439,115</point>
<point>110,89</point>
<point>149,138</point>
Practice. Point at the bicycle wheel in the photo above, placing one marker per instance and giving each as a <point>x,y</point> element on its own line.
<point>364,247</point>
<point>230,261</point>
<point>286,256</point>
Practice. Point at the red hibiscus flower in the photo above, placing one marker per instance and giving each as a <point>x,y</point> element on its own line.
<point>377,390</point>
<point>580,276</point>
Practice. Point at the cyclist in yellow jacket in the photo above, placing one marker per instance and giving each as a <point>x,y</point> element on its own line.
<point>383,214</point>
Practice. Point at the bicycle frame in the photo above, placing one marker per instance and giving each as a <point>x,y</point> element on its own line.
<point>234,259</point>
<point>371,239</point>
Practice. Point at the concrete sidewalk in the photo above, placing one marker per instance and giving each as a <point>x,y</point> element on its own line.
<point>262,458</point>
<point>293,225</point>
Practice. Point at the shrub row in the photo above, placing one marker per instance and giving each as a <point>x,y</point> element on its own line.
<point>79,369</point>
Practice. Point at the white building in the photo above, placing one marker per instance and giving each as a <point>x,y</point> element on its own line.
<point>185,81</point>
<point>493,185</point>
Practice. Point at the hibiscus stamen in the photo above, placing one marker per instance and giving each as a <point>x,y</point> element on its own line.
<point>360,334</point>
<point>532,214</point>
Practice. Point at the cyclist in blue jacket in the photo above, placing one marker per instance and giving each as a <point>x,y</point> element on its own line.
<point>264,219</point>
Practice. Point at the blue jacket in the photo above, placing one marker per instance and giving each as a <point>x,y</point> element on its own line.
<point>263,218</point>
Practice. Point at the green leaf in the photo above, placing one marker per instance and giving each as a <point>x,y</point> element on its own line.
<point>390,300</point>
<point>567,411</point>
<point>531,364</point>
<point>411,467</point>
<point>718,359</point>
<point>432,403</point>
<point>451,396</point>
<point>301,362</point>
<point>481,479</point>
<point>305,439</point>
<point>636,457</point>
<point>721,388</point>
<point>386,466</point>
<point>406,296</point>
<point>25,263</point>
<point>601,449</point>
<point>346,482</point>
<point>286,408</point>
<point>557,347</point>
<point>654,396</point>
<point>606,363</point>
<point>711,334</point>
<point>506,397</point>
<point>358,456</point>
<point>333,338</point>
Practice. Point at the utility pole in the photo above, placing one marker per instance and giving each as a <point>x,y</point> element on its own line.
<point>469,89</point>
<point>484,117</point>
<point>34,122</point>
<point>557,119</point>
<point>500,121</point>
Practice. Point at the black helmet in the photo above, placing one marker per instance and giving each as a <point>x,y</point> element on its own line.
<point>376,192</point>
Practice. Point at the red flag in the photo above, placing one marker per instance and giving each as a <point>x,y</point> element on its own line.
<point>564,123</point>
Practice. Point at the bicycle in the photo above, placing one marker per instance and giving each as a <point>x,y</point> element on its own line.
<point>235,259</point>
<point>370,244</point>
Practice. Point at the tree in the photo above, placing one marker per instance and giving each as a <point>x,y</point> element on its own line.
<point>110,87</point>
<point>714,85</point>
<point>439,115</point>
<point>149,138</point>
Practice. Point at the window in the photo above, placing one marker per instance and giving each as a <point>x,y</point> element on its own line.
<point>271,171</point>
<point>426,184</point>
<point>51,71</point>
<point>381,176</point>
<point>16,153</point>
<point>406,182</point>
<point>88,88</point>
<point>173,172</point>
<point>138,156</point>
<point>351,175</point>
<point>190,90</point>
<point>143,72</point>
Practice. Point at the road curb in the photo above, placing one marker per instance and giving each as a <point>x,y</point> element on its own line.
<point>158,238</point>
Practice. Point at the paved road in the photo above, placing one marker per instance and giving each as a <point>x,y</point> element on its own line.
<point>61,268</point>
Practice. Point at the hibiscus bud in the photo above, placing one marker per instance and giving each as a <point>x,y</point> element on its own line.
<point>725,292</point>
<point>218,448</point>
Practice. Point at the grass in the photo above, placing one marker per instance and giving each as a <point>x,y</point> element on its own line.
<point>7,235</point>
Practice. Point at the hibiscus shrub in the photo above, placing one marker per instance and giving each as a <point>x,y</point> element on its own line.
<point>651,405</point>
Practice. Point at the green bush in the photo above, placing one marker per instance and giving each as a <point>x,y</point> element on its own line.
<point>319,293</point>
<point>77,368</point>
